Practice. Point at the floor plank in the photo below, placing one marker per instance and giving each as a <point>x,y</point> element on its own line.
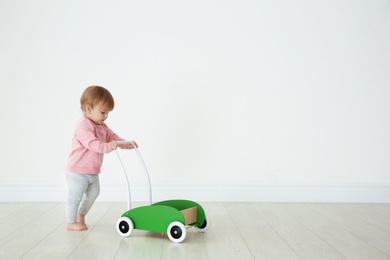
<point>8,208</point>
<point>141,245</point>
<point>61,242</point>
<point>21,217</point>
<point>260,237</point>
<point>367,232</point>
<point>23,239</point>
<point>366,213</point>
<point>222,240</point>
<point>192,248</point>
<point>335,235</point>
<point>305,243</point>
<point>379,208</point>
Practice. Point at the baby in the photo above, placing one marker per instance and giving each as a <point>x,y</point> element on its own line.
<point>91,140</point>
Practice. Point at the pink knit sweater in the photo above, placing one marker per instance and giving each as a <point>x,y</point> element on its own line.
<point>89,143</point>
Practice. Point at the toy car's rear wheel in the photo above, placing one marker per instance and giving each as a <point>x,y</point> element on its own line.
<point>204,227</point>
<point>124,226</point>
<point>176,232</point>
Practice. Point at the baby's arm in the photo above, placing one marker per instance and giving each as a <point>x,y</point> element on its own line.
<point>85,134</point>
<point>112,137</point>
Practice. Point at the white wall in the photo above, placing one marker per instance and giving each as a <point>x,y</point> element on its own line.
<point>218,94</point>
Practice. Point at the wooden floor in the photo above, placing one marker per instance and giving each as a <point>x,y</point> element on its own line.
<point>237,231</point>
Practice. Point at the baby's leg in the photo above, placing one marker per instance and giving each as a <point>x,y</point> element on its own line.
<point>91,193</point>
<point>77,185</point>
<point>81,218</point>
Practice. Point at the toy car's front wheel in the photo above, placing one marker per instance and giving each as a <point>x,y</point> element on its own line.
<point>124,226</point>
<point>176,232</point>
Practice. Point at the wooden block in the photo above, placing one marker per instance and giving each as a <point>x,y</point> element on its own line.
<point>190,215</point>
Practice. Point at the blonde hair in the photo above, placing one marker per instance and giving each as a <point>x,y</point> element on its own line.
<point>96,95</point>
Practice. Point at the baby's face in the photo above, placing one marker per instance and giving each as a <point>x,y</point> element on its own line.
<point>97,114</point>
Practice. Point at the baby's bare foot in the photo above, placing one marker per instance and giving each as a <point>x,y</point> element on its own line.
<point>81,219</point>
<point>76,226</point>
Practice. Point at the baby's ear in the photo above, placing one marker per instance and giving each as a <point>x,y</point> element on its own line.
<point>88,108</point>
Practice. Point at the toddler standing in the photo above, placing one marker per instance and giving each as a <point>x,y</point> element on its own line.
<point>91,140</point>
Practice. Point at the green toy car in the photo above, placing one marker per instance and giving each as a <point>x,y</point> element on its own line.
<point>170,216</point>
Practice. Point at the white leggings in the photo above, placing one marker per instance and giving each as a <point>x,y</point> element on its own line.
<point>83,191</point>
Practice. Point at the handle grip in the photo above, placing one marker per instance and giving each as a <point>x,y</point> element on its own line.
<point>125,142</point>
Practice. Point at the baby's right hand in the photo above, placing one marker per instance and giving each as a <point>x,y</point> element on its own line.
<point>113,145</point>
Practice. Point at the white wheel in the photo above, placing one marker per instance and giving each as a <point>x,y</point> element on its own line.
<point>176,232</point>
<point>124,226</point>
<point>205,226</point>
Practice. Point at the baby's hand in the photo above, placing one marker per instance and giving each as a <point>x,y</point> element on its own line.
<point>113,145</point>
<point>130,146</point>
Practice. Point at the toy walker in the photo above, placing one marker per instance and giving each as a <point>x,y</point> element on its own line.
<point>171,216</point>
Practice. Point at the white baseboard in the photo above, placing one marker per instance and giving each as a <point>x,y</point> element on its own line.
<point>214,192</point>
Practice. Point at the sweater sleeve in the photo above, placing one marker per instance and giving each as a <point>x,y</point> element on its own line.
<point>111,136</point>
<point>86,135</point>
